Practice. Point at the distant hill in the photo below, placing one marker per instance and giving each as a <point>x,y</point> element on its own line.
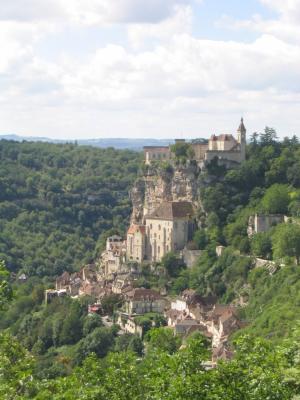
<point>117,143</point>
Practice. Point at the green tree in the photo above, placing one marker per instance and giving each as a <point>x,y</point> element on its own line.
<point>276,199</point>
<point>163,339</point>
<point>172,263</point>
<point>5,288</point>
<point>286,241</point>
<point>261,245</point>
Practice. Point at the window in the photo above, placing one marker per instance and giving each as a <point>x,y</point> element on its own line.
<point>150,226</point>
<point>159,227</point>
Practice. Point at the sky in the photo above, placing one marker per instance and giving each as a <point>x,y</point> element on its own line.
<point>76,69</point>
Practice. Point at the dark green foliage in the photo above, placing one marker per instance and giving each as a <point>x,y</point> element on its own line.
<point>182,151</point>
<point>276,199</point>
<point>5,288</point>
<point>172,264</point>
<point>100,341</point>
<point>286,241</point>
<point>261,245</point>
<point>163,339</point>
<point>258,371</point>
<point>200,239</point>
<point>57,200</point>
<point>91,322</point>
<point>111,303</point>
<point>128,342</point>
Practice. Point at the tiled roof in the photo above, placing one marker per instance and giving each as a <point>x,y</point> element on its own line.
<point>136,228</point>
<point>223,138</point>
<point>170,210</point>
<point>143,294</point>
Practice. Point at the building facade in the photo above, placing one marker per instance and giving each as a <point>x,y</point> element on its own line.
<point>136,243</point>
<point>225,148</point>
<point>168,228</point>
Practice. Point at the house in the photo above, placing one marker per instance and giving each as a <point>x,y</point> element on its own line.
<point>226,149</point>
<point>122,285</point>
<point>128,324</point>
<point>141,301</point>
<point>263,222</point>
<point>136,243</point>
<point>113,257</point>
<point>156,153</point>
<point>22,278</point>
<point>50,294</point>
<point>94,309</point>
<point>168,228</point>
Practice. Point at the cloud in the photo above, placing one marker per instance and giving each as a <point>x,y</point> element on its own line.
<point>163,82</point>
<point>178,23</point>
<point>288,9</point>
<point>89,12</point>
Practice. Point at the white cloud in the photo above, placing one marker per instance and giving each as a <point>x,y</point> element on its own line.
<point>176,84</point>
<point>89,12</point>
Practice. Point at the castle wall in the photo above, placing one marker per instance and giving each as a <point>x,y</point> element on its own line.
<point>223,156</point>
<point>199,150</point>
<point>135,247</point>
<point>152,153</point>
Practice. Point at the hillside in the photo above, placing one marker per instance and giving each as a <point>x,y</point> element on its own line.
<point>117,143</point>
<point>60,202</point>
<point>56,200</point>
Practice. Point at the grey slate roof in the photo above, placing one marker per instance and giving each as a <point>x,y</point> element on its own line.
<point>170,210</point>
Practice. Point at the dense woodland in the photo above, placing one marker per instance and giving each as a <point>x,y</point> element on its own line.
<point>58,203</point>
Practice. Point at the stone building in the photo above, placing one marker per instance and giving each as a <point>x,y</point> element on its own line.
<point>113,257</point>
<point>156,153</point>
<point>225,148</point>
<point>141,301</point>
<point>168,228</point>
<point>263,222</point>
<point>136,243</point>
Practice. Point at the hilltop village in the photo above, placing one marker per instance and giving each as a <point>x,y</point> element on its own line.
<point>166,206</point>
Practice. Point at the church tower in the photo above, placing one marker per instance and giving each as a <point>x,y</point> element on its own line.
<point>241,138</point>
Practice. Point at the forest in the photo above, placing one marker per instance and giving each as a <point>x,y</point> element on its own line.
<point>59,202</point>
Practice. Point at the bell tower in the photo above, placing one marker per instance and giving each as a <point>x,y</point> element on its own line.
<point>241,138</point>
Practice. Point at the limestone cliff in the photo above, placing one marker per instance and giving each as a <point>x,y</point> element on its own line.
<point>158,184</point>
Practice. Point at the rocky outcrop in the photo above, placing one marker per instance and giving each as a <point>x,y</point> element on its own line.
<point>177,183</point>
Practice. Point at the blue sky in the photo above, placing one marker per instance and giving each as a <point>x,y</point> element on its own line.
<point>152,68</point>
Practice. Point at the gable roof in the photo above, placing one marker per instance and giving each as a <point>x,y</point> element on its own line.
<point>223,138</point>
<point>143,294</point>
<point>169,210</point>
<point>136,228</point>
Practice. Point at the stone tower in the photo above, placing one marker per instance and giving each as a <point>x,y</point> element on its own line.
<point>241,137</point>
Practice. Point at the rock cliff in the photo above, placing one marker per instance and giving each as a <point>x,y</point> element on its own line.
<point>158,184</point>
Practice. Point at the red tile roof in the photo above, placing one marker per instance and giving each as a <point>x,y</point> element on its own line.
<point>136,228</point>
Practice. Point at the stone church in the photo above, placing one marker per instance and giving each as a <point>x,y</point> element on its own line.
<point>166,229</point>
